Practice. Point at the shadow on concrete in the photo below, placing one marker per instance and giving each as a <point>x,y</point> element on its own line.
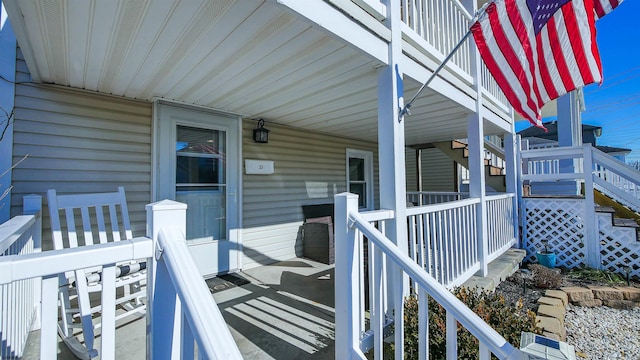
<point>284,313</point>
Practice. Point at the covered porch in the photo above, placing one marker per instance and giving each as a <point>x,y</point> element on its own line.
<point>271,311</point>
<point>324,87</point>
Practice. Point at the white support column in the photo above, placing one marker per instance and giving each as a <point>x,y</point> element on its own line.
<point>591,238</point>
<point>347,287</point>
<point>164,313</point>
<point>391,148</point>
<point>477,186</point>
<point>475,135</point>
<point>569,134</point>
<point>7,96</point>
<point>512,167</point>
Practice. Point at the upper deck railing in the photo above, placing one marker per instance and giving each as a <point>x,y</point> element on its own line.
<point>441,24</point>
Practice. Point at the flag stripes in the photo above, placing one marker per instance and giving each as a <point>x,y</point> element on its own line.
<point>538,50</point>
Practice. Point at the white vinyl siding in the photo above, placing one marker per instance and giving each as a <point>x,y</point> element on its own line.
<point>410,169</point>
<point>309,169</point>
<point>80,142</point>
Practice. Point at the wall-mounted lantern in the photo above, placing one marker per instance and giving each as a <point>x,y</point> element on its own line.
<point>260,133</point>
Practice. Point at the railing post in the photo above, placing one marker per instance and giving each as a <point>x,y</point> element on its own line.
<point>346,279</point>
<point>164,313</point>
<point>592,243</point>
<point>32,205</point>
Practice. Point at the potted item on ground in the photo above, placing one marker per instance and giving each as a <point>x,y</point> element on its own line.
<point>546,258</point>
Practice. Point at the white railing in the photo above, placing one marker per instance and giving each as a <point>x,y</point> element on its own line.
<point>420,198</point>
<point>181,312</point>
<point>571,226</point>
<point>387,266</point>
<point>491,87</point>
<point>19,301</point>
<point>616,179</point>
<point>619,180</point>
<point>50,264</point>
<point>443,240</point>
<point>501,232</point>
<point>441,23</point>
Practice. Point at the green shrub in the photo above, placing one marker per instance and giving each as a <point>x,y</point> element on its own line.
<point>599,276</point>
<point>507,320</point>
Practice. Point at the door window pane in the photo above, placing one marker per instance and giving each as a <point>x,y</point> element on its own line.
<point>196,170</point>
<point>201,181</point>
<point>199,156</point>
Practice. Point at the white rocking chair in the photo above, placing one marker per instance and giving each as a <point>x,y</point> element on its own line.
<point>75,287</point>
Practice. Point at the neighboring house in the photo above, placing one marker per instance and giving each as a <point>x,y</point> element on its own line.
<point>537,138</point>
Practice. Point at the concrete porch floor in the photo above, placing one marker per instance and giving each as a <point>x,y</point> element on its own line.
<point>285,311</point>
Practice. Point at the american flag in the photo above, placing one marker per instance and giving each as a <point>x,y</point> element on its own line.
<point>538,50</point>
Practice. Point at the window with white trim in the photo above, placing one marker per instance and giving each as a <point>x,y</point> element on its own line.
<point>360,177</point>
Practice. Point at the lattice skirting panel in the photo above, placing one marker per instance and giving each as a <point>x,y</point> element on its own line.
<point>618,247</point>
<point>560,221</point>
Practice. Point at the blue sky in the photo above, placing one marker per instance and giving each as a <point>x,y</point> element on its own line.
<point>615,105</point>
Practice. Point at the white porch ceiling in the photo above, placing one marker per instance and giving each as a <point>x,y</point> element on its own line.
<point>253,58</point>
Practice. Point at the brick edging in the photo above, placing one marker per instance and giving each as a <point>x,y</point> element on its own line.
<point>552,306</point>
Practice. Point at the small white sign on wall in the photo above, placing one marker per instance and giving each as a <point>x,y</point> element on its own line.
<point>261,167</point>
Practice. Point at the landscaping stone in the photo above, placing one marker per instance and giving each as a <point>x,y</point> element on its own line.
<point>589,303</point>
<point>629,293</point>
<point>558,294</point>
<point>552,311</point>
<point>551,325</point>
<point>551,335</point>
<point>620,304</point>
<point>576,294</point>
<point>550,301</point>
<point>606,293</point>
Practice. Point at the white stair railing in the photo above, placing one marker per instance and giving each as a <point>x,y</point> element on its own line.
<point>182,312</point>
<point>616,179</point>
<point>385,257</point>
<point>20,300</point>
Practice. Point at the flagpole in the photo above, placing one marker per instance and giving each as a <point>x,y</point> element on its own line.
<point>407,107</point>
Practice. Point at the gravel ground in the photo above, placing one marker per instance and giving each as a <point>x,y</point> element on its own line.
<point>596,333</point>
<point>603,332</point>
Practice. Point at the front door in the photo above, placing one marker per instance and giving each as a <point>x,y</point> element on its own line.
<point>198,165</point>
